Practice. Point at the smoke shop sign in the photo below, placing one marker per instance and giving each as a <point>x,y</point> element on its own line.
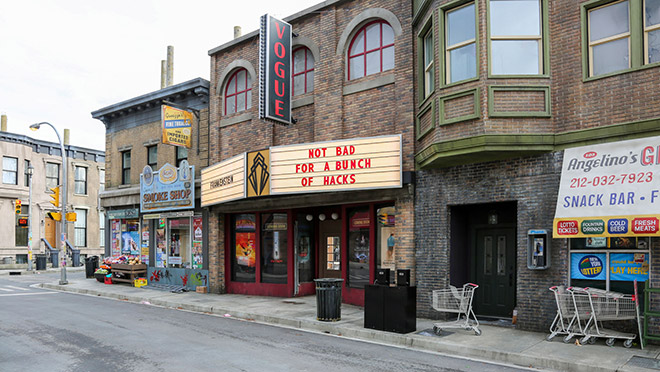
<point>169,188</point>
<point>610,190</point>
<point>353,164</point>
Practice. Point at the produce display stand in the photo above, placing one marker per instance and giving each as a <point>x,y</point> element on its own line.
<point>129,272</point>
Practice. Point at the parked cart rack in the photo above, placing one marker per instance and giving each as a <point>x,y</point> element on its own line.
<point>459,301</point>
<point>567,321</point>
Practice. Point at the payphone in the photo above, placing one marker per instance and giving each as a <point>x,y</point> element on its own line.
<point>538,250</point>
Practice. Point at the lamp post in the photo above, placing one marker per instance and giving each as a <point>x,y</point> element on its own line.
<point>30,171</point>
<point>63,196</point>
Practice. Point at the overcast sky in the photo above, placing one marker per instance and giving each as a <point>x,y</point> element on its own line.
<point>61,60</point>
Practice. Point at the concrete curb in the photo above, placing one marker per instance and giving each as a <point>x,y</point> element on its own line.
<point>349,330</point>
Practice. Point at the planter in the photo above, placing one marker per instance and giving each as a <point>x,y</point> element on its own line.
<point>100,277</point>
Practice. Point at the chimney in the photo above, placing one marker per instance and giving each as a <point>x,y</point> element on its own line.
<point>3,121</point>
<point>237,32</point>
<point>170,65</point>
<point>163,74</point>
<point>66,137</point>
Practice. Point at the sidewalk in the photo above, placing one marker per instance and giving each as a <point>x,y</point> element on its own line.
<point>499,344</point>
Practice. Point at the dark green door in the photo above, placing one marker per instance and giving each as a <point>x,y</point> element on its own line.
<point>495,272</point>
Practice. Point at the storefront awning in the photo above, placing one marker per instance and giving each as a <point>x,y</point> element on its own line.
<point>610,190</point>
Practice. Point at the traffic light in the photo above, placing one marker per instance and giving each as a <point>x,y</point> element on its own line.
<point>55,216</point>
<point>56,196</point>
<point>17,206</point>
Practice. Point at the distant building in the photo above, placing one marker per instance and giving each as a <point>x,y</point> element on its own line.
<point>86,177</point>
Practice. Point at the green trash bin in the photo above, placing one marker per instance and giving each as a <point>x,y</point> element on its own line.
<point>328,299</point>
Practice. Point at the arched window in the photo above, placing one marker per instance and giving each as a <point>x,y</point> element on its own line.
<point>303,71</point>
<point>238,92</point>
<point>371,50</point>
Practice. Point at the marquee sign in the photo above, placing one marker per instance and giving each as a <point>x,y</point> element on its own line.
<point>275,70</point>
<point>168,189</point>
<point>224,181</point>
<point>610,189</point>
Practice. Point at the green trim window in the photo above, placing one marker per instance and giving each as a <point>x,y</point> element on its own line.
<point>429,66</point>
<point>651,31</point>
<point>152,157</point>
<point>609,38</point>
<point>461,43</point>
<point>516,37</point>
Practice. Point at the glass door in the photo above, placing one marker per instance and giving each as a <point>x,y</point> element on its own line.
<point>179,243</point>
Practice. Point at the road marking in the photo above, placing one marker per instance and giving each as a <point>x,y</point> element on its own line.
<point>26,294</point>
<point>20,288</point>
<point>6,290</point>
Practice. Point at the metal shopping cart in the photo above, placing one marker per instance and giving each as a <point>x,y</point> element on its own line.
<point>608,306</point>
<point>568,321</point>
<point>459,301</point>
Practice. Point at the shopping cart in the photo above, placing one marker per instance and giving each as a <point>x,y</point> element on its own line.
<point>459,301</point>
<point>608,306</point>
<point>568,321</point>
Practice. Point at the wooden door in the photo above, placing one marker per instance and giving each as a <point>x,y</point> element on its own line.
<point>49,232</point>
<point>330,249</point>
<point>495,272</point>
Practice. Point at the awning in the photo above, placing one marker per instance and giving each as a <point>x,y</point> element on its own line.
<point>610,189</point>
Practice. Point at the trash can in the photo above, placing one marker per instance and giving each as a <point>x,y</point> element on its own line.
<point>91,264</point>
<point>54,255</point>
<point>75,257</point>
<point>41,261</point>
<point>328,299</point>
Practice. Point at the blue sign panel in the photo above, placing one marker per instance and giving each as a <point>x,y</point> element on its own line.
<point>629,266</point>
<point>617,226</point>
<point>168,189</point>
<point>590,266</point>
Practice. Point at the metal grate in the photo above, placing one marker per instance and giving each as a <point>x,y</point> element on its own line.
<point>638,361</point>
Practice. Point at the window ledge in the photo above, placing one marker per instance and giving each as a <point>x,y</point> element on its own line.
<point>74,194</point>
<point>370,84</point>
<point>303,101</point>
<point>235,119</point>
<point>621,72</point>
<point>124,186</point>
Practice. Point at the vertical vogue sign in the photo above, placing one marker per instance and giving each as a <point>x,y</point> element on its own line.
<point>353,164</point>
<point>275,70</point>
<point>168,189</point>
<point>177,126</point>
<point>610,189</point>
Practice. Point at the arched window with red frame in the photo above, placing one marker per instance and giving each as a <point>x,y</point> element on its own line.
<point>238,92</point>
<point>372,50</point>
<point>303,71</point>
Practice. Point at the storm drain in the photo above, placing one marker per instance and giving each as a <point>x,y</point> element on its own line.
<point>429,332</point>
<point>638,361</point>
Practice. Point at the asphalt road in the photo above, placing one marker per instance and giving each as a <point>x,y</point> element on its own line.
<point>42,330</point>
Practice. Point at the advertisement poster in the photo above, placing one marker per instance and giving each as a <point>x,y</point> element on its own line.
<point>590,266</point>
<point>130,243</point>
<point>160,246</point>
<point>245,253</point>
<point>115,238</point>
<point>177,126</point>
<point>629,267</point>
<point>610,190</point>
<point>144,254</point>
<point>198,257</point>
<point>596,243</point>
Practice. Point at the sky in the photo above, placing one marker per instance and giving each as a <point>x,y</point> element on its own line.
<point>61,60</point>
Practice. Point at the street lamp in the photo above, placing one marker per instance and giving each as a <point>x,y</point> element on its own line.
<point>30,171</point>
<point>63,196</point>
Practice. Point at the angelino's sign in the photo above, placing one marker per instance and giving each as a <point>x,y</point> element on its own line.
<point>610,189</point>
<point>168,189</point>
<point>275,70</point>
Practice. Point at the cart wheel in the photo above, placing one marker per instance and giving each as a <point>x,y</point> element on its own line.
<point>437,330</point>
<point>592,340</point>
<point>609,342</point>
<point>477,331</point>
<point>584,340</point>
<point>627,344</point>
<point>549,337</point>
<point>567,339</point>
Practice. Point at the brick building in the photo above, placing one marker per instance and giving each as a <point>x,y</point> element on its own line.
<point>498,104</point>
<point>352,86</point>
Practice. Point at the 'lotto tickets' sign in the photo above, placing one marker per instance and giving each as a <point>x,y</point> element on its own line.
<point>609,190</point>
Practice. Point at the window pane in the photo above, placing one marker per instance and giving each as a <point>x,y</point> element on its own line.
<point>373,36</point>
<point>153,155</point>
<point>358,247</point>
<point>231,86</point>
<point>240,106</point>
<point>515,57</point>
<point>10,164</point>
<point>274,248</point>
<point>240,79</point>
<point>299,61</point>
<point>388,58</point>
<point>231,105</point>
<point>310,81</point>
<point>463,63</point>
<point>610,57</point>
<point>127,159</point>
<point>607,21</point>
<point>460,25</point>
<point>299,84</point>
<point>358,44</point>
<point>654,46</point>
<point>515,17</point>
<point>249,97</point>
<point>356,67</point>
<point>388,34</point>
<point>373,62</point>
<point>428,48</point>
<point>652,12</point>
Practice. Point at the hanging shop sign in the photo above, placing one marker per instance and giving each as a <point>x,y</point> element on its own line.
<point>224,181</point>
<point>607,190</point>
<point>275,70</point>
<point>589,266</point>
<point>168,189</point>
<point>117,214</point>
<point>177,126</point>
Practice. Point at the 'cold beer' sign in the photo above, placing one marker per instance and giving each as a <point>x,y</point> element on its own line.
<point>275,70</point>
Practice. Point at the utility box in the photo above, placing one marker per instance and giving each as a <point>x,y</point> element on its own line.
<point>538,250</point>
